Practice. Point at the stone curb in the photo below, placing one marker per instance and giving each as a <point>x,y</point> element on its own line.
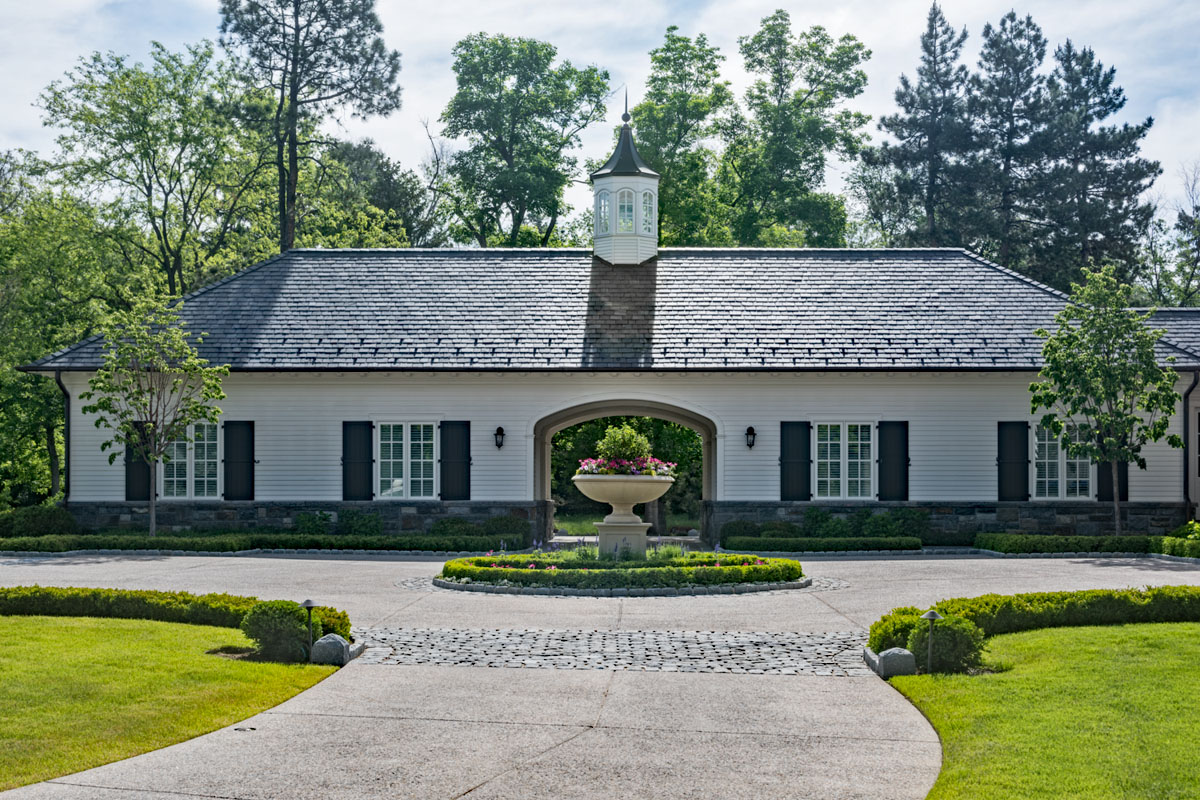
<point>256,552</point>
<point>675,591</point>
<point>1157,556</point>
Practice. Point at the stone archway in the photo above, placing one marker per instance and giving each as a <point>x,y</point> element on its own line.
<point>547,426</point>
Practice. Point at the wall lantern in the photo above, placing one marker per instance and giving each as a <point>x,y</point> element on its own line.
<point>499,434</point>
<point>750,437</point>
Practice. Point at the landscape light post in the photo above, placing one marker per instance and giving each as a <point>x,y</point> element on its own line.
<point>309,605</point>
<point>930,615</point>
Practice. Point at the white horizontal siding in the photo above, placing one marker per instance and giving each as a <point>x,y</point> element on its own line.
<point>952,425</point>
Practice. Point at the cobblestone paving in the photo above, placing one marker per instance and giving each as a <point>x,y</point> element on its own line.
<point>833,654</point>
<point>819,584</point>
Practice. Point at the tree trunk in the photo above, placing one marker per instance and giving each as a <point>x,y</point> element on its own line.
<point>52,455</point>
<point>1116,482</point>
<point>153,497</point>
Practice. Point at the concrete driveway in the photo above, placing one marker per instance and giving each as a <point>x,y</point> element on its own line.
<point>701,697</point>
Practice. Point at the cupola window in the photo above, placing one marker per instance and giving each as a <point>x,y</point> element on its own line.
<point>625,211</point>
<point>602,212</point>
<point>648,212</point>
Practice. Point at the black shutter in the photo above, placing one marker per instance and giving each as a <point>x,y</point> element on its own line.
<point>1104,492</point>
<point>239,461</point>
<point>893,460</point>
<point>137,471</point>
<point>358,461</point>
<point>1012,460</point>
<point>456,460</point>
<point>795,461</point>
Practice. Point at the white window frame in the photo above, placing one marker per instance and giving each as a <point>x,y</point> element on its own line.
<point>633,198</point>
<point>190,464</point>
<point>1063,458</point>
<point>406,459</point>
<point>646,221</point>
<point>873,460</point>
<point>603,213</point>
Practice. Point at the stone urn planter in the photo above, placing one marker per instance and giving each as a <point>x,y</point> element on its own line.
<point>622,529</point>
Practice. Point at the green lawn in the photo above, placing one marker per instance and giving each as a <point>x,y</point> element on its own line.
<point>1082,713</point>
<point>79,692</point>
<point>582,524</point>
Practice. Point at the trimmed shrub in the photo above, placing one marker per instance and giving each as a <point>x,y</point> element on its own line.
<point>220,610</point>
<point>280,629</point>
<point>802,545</point>
<point>569,570</point>
<point>226,542</point>
<point>354,522</point>
<point>1031,543</point>
<point>879,526</point>
<point>6,523</point>
<point>893,629</point>
<point>934,538</point>
<point>740,528</point>
<point>819,523</point>
<point>914,522</point>
<point>780,529</point>
<point>1173,546</point>
<point>38,521</point>
<point>508,527</point>
<point>313,524</point>
<point>623,443</point>
<point>957,645</point>
<point>815,520</point>
<point>453,526</point>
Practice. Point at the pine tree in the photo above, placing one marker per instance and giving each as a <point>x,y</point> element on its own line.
<point>933,132</point>
<point>1008,114</point>
<point>1090,208</point>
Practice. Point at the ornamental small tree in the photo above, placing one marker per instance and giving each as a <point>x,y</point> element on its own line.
<point>1102,379</point>
<point>153,385</point>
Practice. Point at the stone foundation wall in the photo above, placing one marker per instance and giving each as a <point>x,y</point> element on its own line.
<point>1080,518</point>
<point>397,518</point>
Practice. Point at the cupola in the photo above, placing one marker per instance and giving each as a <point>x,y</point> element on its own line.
<point>625,191</point>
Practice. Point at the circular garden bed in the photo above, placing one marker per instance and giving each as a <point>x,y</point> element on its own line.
<point>568,573</point>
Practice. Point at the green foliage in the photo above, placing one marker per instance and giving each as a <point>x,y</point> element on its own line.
<point>820,523</point>
<point>893,629</point>
<point>221,610</point>
<point>1101,380</point>
<point>309,523</point>
<point>957,645</point>
<point>623,443</point>
<point>354,522</point>
<point>995,614</point>
<point>578,570</point>
<point>233,542</point>
<point>37,521</point>
<point>1033,543</point>
<point>453,526</point>
<point>1173,546</point>
<point>280,629</point>
<point>813,544</point>
<point>517,531</point>
<point>521,115</point>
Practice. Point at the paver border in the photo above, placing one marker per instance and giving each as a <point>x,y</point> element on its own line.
<point>672,591</point>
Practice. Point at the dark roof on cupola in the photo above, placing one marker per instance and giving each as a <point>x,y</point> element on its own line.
<point>689,309</point>
<point>625,160</point>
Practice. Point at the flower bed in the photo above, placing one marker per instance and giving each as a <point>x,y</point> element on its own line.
<point>567,571</point>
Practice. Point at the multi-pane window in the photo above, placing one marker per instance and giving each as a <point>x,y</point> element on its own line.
<point>1056,473</point>
<point>602,212</point>
<point>648,212</point>
<point>199,460</point>
<point>829,460</point>
<point>204,460</point>
<point>406,449</point>
<point>391,460</point>
<point>844,460</point>
<point>625,211</point>
<point>858,460</point>
<point>175,469</point>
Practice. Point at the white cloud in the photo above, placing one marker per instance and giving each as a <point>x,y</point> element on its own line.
<point>1152,44</point>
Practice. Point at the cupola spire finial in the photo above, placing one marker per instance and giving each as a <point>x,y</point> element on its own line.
<point>625,117</point>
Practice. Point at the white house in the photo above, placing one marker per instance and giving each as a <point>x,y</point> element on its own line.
<point>422,383</point>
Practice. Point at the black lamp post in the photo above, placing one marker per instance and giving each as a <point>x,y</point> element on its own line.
<point>751,435</point>
<point>309,605</point>
<point>499,434</point>
<point>932,616</point>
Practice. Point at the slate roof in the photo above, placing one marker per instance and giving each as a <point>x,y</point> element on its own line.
<point>562,309</point>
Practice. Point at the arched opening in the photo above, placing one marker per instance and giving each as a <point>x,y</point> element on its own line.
<point>544,430</point>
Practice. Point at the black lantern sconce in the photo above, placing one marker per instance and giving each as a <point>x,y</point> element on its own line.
<point>750,437</point>
<point>499,438</point>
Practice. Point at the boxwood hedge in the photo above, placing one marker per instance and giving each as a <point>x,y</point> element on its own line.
<point>220,610</point>
<point>1034,543</point>
<point>996,614</point>
<point>773,545</point>
<point>819,523</point>
<point>555,570</point>
<point>250,540</point>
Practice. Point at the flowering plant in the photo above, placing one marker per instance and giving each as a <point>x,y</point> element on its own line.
<point>625,466</point>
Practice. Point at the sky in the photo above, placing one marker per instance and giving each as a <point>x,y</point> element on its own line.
<point>1152,43</point>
